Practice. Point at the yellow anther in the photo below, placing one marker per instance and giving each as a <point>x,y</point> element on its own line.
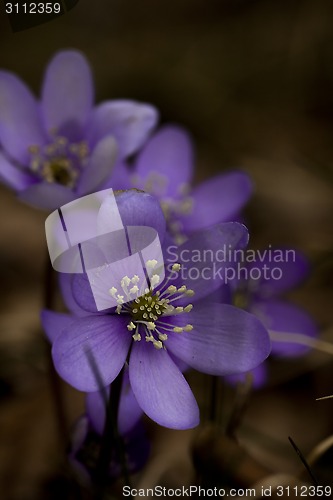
<point>134,289</point>
<point>113,291</point>
<point>125,281</point>
<point>178,329</point>
<point>157,344</point>
<point>154,280</point>
<point>151,263</point>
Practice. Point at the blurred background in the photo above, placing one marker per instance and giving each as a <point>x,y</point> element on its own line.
<point>253,82</point>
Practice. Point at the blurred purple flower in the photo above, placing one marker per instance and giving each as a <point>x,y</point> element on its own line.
<point>86,445</point>
<point>165,168</point>
<point>158,328</point>
<point>282,318</point>
<point>61,147</point>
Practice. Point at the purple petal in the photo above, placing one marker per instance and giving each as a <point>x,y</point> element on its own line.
<point>259,376</point>
<point>160,388</point>
<point>108,341</point>
<point>169,155</point>
<point>224,340</point>
<point>13,176</point>
<point>120,177</point>
<point>206,258</point>
<point>220,199</point>
<point>82,293</point>
<point>100,166</point>
<point>129,411</point>
<point>129,122</point>
<point>68,94</point>
<point>285,318</point>
<point>65,284</point>
<point>285,269</point>
<point>20,125</point>
<point>47,195</point>
<point>141,209</point>
<point>54,323</point>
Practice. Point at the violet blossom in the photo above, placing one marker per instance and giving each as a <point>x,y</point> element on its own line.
<point>62,147</point>
<point>157,327</point>
<point>165,168</point>
<point>262,295</point>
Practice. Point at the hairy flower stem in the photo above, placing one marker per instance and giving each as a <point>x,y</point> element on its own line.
<point>111,439</point>
<point>55,383</point>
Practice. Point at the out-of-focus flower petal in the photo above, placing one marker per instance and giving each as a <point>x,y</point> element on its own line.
<point>54,323</point>
<point>224,340</point>
<point>120,177</point>
<point>47,196</point>
<point>292,268</point>
<point>128,121</point>
<point>128,414</point>
<point>259,376</point>
<point>169,154</point>
<point>20,126</point>
<point>99,167</point>
<point>285,318</point>
<point>13,176</point>
<point>160,388</point>
<point>219,199</point>
<point>206,256</point>
<point>107,340</point>
<point>68,93</point>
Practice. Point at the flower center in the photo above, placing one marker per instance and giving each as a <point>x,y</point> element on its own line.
<point>148,309</point>
<point>59,161</point>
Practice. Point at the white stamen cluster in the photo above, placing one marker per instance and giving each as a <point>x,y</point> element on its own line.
<point>147,308</point>
<point>60,161</point>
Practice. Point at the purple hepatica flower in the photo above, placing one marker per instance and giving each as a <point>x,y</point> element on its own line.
<point>60,148</point>
<point>164,168</point>
<point>277,272</point>
<point>158,326</point>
